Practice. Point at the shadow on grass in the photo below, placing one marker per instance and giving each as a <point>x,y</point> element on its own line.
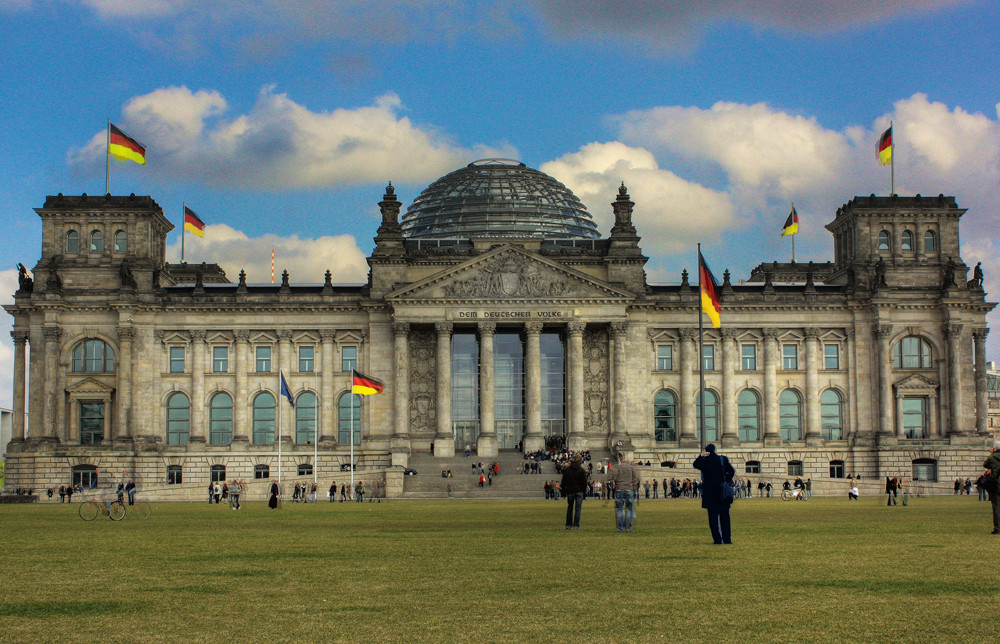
<point>33,609</point>
<point>887,587</point>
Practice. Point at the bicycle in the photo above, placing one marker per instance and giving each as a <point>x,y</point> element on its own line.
<point>798,495</point>
<point>114,510</point>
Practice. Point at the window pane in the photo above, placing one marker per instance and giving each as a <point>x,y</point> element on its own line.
<point>664,357</point>
<point>97,242</point>
<point>348,358</point>
<point>790,354</point>
<point>306,363</point>
<point>72,242</point>
<point>930,242</point>
<point>748,415</point>
<point>831,355</point>
<point>790,412</point>
<point>91,423</point>
<point>665,416</point>
<point>305,418</point>
<point>178,419</point>
<point>749,357</point>
<point>220,359</point>
<point>708,355</point>
<point>711,416</point>
<point>263,359</point>
<point>915,417</point>
<point>176,359</point>
<point>348,410</point>
<point>831,415</point>
<point>121,242</point>
<point>906,244</point>
<point>263,419</point>
<point>221,419</point>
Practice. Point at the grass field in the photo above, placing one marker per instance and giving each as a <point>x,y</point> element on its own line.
<point>826,570</point>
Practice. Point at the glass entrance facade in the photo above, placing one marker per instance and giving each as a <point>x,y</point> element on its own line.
<point>508,387</point>
<point>465,388</point>
<point>553,384</point>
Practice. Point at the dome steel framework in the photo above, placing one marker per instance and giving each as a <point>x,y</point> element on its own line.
<point>497,198</point>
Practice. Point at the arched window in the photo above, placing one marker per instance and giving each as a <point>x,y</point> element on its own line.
<point>748,415</point>
<point>930,242</point>
<point>711,417</point>
<point>348,407</point>
<point>305,418</point>
<point>832,415</point>
<point>178,419</point>
<point>263,419</point>
<point>174,475</point>
<point>925,470</point>
<point>883,242</point>
<point>912,352</point>
<point>85,475</point>
<point>97,242</point>
<point>93,356</point>
<point>220,419</point>
<point>790,413</point>
<point>665,416</point>
<point>72,242</point>
<point>121,242</point>
<point>261,472</point>
<point>305,469</point>
<point>218,473</point>
<point>906,242</point>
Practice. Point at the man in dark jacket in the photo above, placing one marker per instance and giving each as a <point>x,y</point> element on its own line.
<point>715,469</point>
<point>574,488</point>
<point>992,465</point>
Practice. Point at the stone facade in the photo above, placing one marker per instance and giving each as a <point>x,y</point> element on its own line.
<point>871,364</point>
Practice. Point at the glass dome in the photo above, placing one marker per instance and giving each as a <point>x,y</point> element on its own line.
<point>497,198</point>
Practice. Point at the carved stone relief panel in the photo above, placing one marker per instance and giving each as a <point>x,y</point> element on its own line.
<point>509,275</point>
<point>596,376</point>
<point>423,369</point>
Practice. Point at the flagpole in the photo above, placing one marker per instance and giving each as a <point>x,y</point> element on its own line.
<point>701,361</point>
<point>352,435</point>
<point>278,408</point>
<point>107,159</point>
<point>316,449</point>
<point>892,163</point>
<point>793,236</point>
<point>183,217</point>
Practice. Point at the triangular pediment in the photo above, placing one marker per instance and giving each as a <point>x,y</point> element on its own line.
<point>510,274</point>
<point>89,386</point>
<point>916,382</point>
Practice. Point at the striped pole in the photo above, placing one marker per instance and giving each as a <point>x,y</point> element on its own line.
<point>272,266</point>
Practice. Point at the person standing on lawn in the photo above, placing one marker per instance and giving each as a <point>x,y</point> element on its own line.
<point>625,481</point>
<point>992,465</point>
<point>715,470</point>
<point>574,488</point>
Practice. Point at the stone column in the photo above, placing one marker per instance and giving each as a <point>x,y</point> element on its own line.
<point>487,445</point>
<point>851,405</point>
<point>124,382</point>
<point>688,400</point>
<point>444,440</point>
<point>17,425</point>
<point>954,334</point>
<point>619,376</point>
<point>772,419</point>
<point>47,431</point>
<point>729,419</point>
<point>196,437</point>
<point>400,441</point>
<point>814,434</point>
<point>241,421</point>
<point>576,399</point>
<point>886,435</point>
<point>284,364</point>
<point>982,412</point>
<point>533,439</point>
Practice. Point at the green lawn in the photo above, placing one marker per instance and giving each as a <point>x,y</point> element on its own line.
<point>826,570</point>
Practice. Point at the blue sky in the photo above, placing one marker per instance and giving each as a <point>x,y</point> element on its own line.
<point>280,123</point>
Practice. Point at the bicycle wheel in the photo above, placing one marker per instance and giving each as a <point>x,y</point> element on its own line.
<point>88,510</point>
<point>786,495</point>
<point>142,509</point>
<point>116,511</point>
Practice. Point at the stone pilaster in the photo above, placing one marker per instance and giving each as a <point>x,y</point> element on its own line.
<point>17,425</point>
<point>196,436</point>
<point>444,440</point>
<point>953,332</point>
<point>487,445</point>
<point>284,410</point>
<point>772,419</point>
<point>328,416</point>
<point>126,335</point>
<point>241,422</point>
<point>533,439</point>
<point>688,393</point>
<point>814,435</point>
<point>728,418</point>
<point>982,412</point>
<point>619,376</point>
<point>886,435</point>
<point>52,335</point>
<point>577,430</point>
<point>400,441</point>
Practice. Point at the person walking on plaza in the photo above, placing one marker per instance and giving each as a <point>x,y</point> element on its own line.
<point>715,471</point>
<point>272,501</point>
<point>574,488</point>
<point>992,465</point>
<point>625,482</point>
<point>890,491</point>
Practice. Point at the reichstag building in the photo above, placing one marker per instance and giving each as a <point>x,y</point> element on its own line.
<point>496,314</point>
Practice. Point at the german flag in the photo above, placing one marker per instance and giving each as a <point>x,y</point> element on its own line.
<point>193,223</point>
<point>791,224</point>
<point>121,146</point>
<point>365,386</point>
<point>710,299</point>
<point>883,151</point>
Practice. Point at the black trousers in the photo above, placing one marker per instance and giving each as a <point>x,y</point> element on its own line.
<point>718,523</point>
<point>574,504</point>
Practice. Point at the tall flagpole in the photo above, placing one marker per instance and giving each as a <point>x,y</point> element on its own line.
<point>278,407</point>
<point>892,162</point>
<point>352,435</point>
<point>316,450</point>
<point>793,237</point>
<point>183,218</point>
<point>107,160</point>
<point>701,361</point>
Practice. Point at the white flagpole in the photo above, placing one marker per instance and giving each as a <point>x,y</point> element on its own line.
<point>107,162</point>
<point>183,217</point>
<point>701,360</point>
<point>352,435</point>
<point>316,450</point>
<point>278,409</point>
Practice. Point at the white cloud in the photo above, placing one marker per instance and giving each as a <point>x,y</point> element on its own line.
<point>112,9</point>
<point>281,144</point>
<point>671,214</point>
<point>306,260</point>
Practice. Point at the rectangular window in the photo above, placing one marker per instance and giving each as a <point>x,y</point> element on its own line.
<point>749,357</point>
<point>263,359</point>
<point>306,359</point>
<point>176,359</point>
<point>664,357</point>
<point>708,356</point>
<point>91,423</point>
<point>790,356</point>
<point>175,475</point>
<point>831,356</point>
<point>348,358</point>
<point>220,359</point>
<point>915,417</point>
